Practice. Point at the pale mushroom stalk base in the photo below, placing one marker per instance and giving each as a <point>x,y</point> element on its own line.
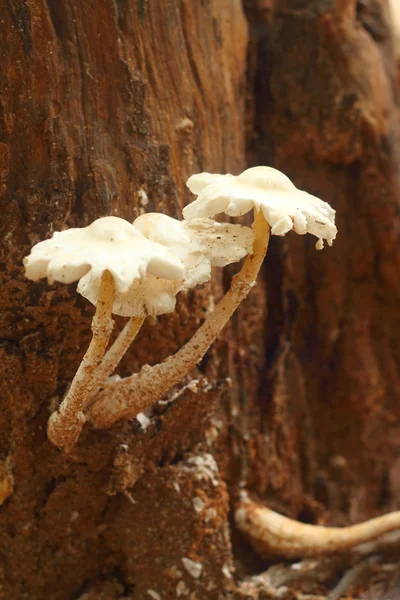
<point>272,534</point>
<point>65,425</point>
<point>114,354</point>
<point>127,397</point>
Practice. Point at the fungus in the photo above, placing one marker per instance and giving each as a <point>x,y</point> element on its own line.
<point>267,190</point>
<point>278,207</point>
<point>120,272</point>
<point>201,244</point>
<point>272,534</point>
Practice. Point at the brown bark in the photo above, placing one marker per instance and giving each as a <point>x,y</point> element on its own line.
<point>327,113</point>
<point>107,107</point>
<point>104,105</point>
<point>328,116</point>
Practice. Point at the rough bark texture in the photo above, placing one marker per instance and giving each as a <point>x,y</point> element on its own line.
<point>106,107</point>
<point>327,114</point>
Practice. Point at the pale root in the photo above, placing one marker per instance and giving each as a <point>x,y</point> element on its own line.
<point>127,397</point>
<point>272,534</point>
<point>65,425</point>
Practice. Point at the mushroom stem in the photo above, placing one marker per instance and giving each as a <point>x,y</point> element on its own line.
<point>65,425</point>
<point>127,397</point>
<point>117,350</point>
<point>272,534</point>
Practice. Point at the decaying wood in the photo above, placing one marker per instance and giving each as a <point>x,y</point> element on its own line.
<point>327,113</point>
<point>107,107</point>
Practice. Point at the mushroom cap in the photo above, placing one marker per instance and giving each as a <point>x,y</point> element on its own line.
<point>262,188</point>
<point>148,296</point>
<point>198,182</point>
<point>200,243</point>
<point>115,245</point>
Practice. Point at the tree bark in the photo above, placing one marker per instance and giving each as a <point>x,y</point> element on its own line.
<point>328,116</point>
<point>326,112</point>
<point>107,107</point>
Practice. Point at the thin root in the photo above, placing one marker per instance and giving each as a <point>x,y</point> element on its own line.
<point>272,534</point>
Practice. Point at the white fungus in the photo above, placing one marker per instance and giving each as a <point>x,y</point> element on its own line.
<point>146,275</point>
<point>119,271</point>
<point>277,204</point>
<point>263,188</point>
<point>201,244</point>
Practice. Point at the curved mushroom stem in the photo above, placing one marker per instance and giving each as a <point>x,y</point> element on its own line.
<point>272,534</point>
<point>127,397</point>
<point>116,351</point>
<point>65,425</point>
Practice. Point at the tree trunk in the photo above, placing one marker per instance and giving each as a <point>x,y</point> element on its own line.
<point>107,107</point>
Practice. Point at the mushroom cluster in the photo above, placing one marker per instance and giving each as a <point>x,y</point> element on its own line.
<point>137,269</point>
<point>132,270</point>
<point>278,208</point>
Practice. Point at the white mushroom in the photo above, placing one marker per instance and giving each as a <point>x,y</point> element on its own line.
<point>201,244</point>
<point>201,180</point>
<point>265,189</point>
<point>146,275</point>
<point>110,258</point>
<point>276,202</point>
